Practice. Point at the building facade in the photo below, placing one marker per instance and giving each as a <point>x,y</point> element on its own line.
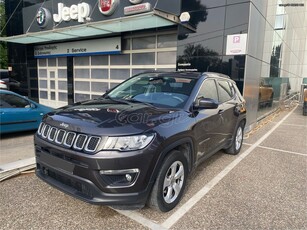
<point>64,52</point>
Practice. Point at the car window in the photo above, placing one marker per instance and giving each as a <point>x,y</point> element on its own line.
<point>208,90</point>
<point>159,90</point>
<point>225,91</point>
<point>13,101</point>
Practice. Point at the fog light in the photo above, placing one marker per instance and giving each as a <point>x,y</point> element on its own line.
<point>120,178</point>
<point>128,177</point>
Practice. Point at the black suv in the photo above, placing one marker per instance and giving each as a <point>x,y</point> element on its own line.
<point>138,143</point>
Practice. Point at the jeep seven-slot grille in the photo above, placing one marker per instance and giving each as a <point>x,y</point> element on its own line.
<point>68,139</point>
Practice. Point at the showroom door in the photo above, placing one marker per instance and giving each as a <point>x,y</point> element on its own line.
<point>52,78</point>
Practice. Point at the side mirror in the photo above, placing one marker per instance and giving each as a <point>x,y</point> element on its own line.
<point>206,103</point>
<point>33,106</point>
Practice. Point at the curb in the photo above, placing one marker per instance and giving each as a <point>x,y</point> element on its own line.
<point>15,168</point>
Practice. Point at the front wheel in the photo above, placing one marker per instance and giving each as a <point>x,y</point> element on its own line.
<point>170,183</point>
<point>237,140</point>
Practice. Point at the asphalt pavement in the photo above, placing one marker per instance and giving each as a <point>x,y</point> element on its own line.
<point>263,187</point>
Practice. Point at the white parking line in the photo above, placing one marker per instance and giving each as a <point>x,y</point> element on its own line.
<point>303,126</point>
<point>140,219</point>
<point>284,151</point>
<point>169,222</point>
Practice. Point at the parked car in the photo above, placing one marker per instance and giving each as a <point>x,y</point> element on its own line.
<point>3,85</point>
<point>266,95</point>
<point>18,113</point>
<point>137,143</point>
<point>12,83</point>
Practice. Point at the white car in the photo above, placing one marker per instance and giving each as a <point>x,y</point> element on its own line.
<point>3,85</point>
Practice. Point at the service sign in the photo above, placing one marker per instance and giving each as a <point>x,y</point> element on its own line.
<point>79,48</point>
<point>236,44</point>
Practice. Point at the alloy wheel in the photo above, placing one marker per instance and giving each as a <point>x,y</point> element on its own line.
<point>173,182</point>
<point>239,137</point>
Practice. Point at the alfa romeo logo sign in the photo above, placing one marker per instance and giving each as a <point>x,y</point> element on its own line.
<point>42,17</point>
<point>107,7</point>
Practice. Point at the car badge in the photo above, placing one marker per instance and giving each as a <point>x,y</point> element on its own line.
<point>111,110</point>
<point>64,125</point>
<point>107,7</point>
<point>42,17</point>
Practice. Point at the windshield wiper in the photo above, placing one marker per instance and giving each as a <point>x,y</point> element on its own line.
<point>141,102</point>
<point>117,100</point>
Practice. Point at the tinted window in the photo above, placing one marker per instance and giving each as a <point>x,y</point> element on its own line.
<point>208,90</point>
<point>225,91</point>
<point>12,101</point>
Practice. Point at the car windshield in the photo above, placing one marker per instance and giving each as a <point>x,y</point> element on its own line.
<point>166,91</point>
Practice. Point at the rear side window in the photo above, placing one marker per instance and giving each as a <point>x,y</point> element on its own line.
<point>12,101</point>
<point>225,91</point>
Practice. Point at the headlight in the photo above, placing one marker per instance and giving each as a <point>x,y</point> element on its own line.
<point>128,143</point>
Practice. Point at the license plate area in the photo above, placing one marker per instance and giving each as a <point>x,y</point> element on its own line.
<point>56,163</point>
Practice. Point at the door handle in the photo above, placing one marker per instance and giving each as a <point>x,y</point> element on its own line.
<point>221,111</point>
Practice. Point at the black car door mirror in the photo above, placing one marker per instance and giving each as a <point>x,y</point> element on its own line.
<point>206,103</point>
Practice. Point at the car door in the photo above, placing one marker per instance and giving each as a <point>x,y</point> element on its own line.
<point>228,104</point>
<point>17,113</point>
<point>209,123</point>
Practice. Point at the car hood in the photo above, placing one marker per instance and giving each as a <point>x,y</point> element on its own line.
<point>107,118</point>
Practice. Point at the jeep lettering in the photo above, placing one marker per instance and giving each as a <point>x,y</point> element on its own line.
<point>76,12</point>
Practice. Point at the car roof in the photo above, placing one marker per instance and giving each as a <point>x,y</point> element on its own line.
<point>195,75</point>
<point>173,74</point>
<point>3,91</point>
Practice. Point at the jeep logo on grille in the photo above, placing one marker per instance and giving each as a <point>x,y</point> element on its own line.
<point>64,125</point>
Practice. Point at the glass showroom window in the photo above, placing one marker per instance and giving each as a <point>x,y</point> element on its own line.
<point>93,75</point>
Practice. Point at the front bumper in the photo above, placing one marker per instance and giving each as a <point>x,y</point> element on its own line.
<point>95,178</point>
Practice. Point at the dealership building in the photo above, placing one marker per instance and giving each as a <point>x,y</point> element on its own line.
<point>65,51</point>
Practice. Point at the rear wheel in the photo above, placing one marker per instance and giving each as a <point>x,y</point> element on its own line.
<point>170,183</point>
<point>237,140</point>
<point>271,100</point>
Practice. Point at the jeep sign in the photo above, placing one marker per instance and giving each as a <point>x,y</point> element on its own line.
<point>78,12</point>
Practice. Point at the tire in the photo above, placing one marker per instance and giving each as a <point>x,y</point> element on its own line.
<point>174,171</point>
<point>237,140</point>
<point>271,100</point>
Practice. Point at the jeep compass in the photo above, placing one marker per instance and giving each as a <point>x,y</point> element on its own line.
<point>137,143</point>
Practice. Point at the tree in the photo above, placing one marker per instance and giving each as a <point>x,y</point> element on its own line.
<point>3,46</point>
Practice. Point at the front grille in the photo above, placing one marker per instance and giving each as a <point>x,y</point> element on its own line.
<point>77,141</point>
<point>46,131</point>
<point>69,139</point>
<point>60,136</point>
<point>80,141</point>
<point>92,144</point>
<point>52,133</point>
